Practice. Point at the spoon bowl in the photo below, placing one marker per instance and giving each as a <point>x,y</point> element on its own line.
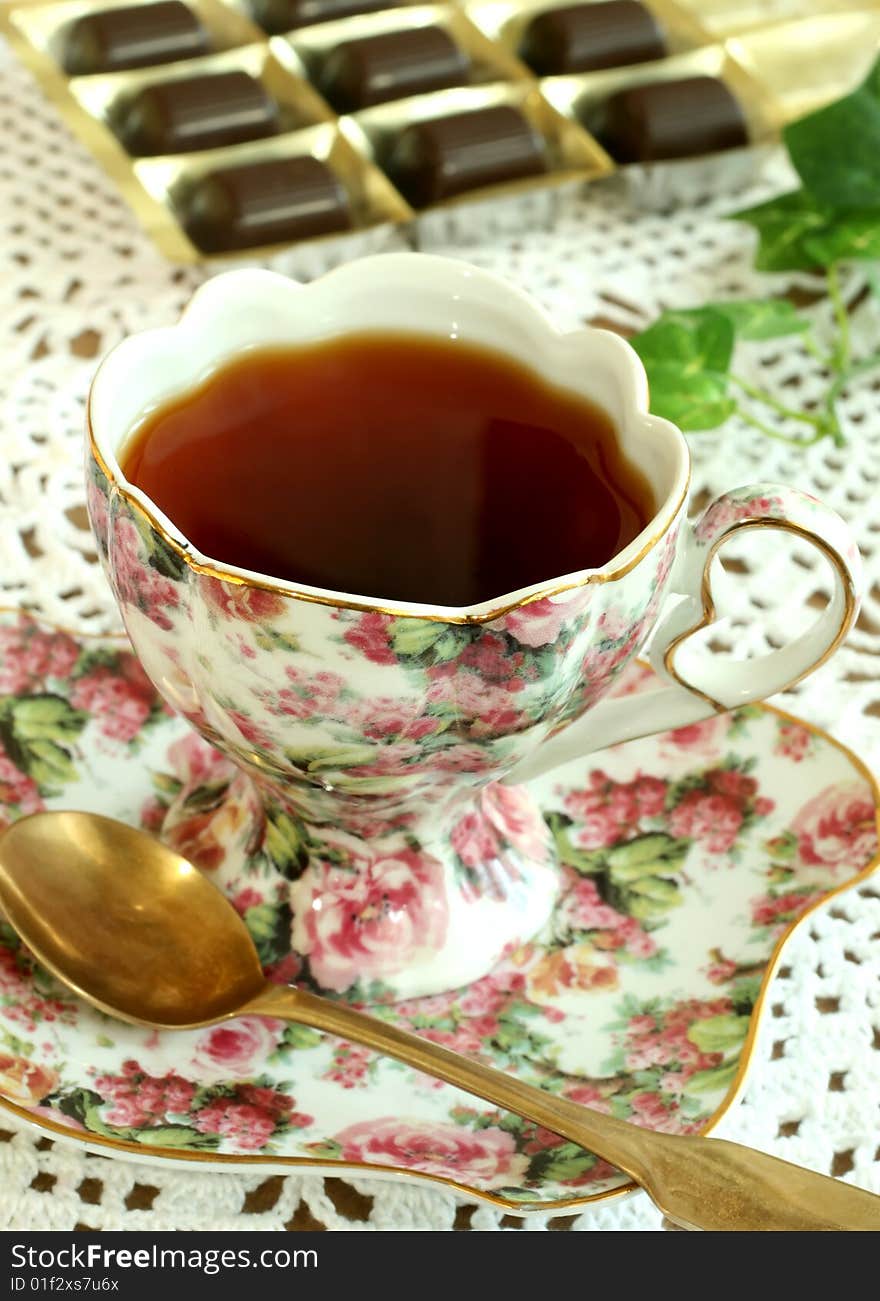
<point>136,930</point>
<point>125,922</point>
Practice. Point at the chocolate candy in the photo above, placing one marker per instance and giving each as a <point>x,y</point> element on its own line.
<point>134,37</point>
<point>268,202</point>
<point>584,37</point>
<point>174,117</point>
<point>448,155</point>
<point>276,16</point>
<point>672,119</point>
<point>392,65</point>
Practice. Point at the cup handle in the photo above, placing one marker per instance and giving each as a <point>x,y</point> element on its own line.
<point>698,683</point>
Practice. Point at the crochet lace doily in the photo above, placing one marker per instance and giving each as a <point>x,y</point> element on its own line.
<point>79,274</point>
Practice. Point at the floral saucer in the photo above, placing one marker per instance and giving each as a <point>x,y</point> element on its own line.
<point>687,860</point>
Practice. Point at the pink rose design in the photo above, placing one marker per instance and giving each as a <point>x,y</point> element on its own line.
<point>24,1081</point>
<point>17,790</point>
<point>309,694</point>
<point>714,820</point>
<point>485,1157</point>
<point>240,601</point>
<point>96,502</point>
<point>137,583</point>
<point>721,970</point>
<point>474,840</point>
<point>837,828</point>
<point>514,814</point>
<point>599,829</point>
<point>387,716</point>
<point>540,622</point>
<point>370,919</point>
<point>649,795</point>
<point>697,739</point>
<point>194,762</point>
<point>730,510</point>
<point>370,635</point>
<point>736,785</point>
<point>486,708</point>
<point>236,1050</point>
<point>139,1100</point>
<point>793,741</point>
<point>469,758</point>
<point>777,911</point>
<point>491,657</point>
<point>29,655</point>
<point>121,698</point>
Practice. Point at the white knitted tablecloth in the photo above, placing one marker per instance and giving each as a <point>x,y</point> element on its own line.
<point>78,274</point>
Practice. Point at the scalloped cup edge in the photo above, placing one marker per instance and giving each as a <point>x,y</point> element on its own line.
<point>384,293</point>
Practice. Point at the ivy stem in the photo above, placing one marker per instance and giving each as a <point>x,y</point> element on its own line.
<point>770,432</point>
<point>836,388</point>
<point>825,359</point>
<point>841,355</point>
<point>817,422</point>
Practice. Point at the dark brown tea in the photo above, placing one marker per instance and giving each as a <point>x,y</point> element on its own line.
<point>394,466</point>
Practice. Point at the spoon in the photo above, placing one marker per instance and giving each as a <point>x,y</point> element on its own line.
<point>136,930</point>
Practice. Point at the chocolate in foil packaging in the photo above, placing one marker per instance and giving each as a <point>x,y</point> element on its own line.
<point>41,33</point>
<point>110,98</point>
<point>228,113</point>
<point>569,154</point>
<point>663,183</point>
<point>507,22</point>
<point>314,52</point>
<point>376,209</point>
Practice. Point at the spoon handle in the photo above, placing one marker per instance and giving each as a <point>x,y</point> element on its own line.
<point>697,1182</point>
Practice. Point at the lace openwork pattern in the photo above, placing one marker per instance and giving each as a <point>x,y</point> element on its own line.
<point>79,275</point>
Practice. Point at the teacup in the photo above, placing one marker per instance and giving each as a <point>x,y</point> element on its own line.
<point>383,746</point>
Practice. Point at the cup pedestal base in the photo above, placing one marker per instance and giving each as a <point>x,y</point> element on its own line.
<point>397,909</point>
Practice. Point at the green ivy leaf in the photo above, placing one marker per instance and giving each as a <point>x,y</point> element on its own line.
<point>568,1161</point>
<point>297,1036</point>
<point>330,1150</point>
<point>166,785</point>
<point>415,636</point>
<point>515,1194</point>
<point>692,402</point>
<point>645,856</point>
<point>836,150</point>
<point>660,891</point>
<point>783,224</point>
<point>715,1080</point>
<point>320,758</point>
<point>51,718</point>
<point>585,861</point>
<point>286,843</point>
<point>698,339</point>
<point>762,318</point>
<point>180,1136</point>
<point>719,1034</point>
<point>652,904</point>
<point>20,1047</point>
<point>848,236</point>
<point>48,764</point>
<point>269,928</point>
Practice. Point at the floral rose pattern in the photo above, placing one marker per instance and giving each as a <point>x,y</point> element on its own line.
<point>349,918</point>
<point>732,830</point>
<point>484,1156</point>
<point>386,728</point>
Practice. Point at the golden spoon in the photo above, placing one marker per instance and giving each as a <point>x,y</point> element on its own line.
<point>135,929</point>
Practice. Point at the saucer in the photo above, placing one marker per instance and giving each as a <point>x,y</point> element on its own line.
<point>688,859</point>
